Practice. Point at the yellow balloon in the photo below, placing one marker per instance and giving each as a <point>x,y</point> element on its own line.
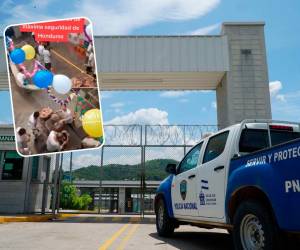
<point>29,51</point>
<point>92,124</point>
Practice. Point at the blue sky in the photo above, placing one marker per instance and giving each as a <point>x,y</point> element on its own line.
<point>178,17</point>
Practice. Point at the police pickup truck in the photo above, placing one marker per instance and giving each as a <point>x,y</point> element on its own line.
<point>244,178</point>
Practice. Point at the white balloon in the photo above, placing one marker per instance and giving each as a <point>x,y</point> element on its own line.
<point>62,84</point>
<point>88,30</point>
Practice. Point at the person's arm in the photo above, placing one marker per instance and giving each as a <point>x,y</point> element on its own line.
<point>64,143</point>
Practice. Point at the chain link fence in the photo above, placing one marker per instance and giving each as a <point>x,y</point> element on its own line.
<point>123,175</point>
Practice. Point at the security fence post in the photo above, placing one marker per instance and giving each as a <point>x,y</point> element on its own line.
<point>45,184</point>
<point>143,170</point>
<point>55,182</point>
<point>184,140</point>
<point>71,168</point>
<point>100,180</point>
<point>60,176</point>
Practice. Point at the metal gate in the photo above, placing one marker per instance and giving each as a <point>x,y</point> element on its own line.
<point>123,175</point>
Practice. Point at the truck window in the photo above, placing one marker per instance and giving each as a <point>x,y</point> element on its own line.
<point>215,146</point>
<point>253,140</point>
<point>279,137</point>
<point>191,159</point>
<point>257,139</point>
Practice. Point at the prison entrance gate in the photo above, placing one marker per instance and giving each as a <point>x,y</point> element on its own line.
<point>122,177</point>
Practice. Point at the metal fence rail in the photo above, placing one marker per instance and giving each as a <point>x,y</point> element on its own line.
<point>134,158</point>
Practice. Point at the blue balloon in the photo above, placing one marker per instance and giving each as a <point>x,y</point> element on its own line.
<point>17,56</point>
<point>43,79</point>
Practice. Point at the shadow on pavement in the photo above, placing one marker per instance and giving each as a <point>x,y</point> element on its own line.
<point>197,240</point>
<point>213,241</point>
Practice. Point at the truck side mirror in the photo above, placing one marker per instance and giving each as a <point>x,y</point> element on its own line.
<point>171,168</point>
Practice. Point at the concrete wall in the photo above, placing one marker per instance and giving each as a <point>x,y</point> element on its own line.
<point>13,195</point>
<point>122,200</point>
<point>244,91</point>
<point>146,54</point>
<point>25,195</point>
<point>36,189</point>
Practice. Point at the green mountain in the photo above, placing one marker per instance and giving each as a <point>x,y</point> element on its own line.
<point>155,171</point>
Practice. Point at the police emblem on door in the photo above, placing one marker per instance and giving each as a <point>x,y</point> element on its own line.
<point>202,199</point>
<point>183,188</point>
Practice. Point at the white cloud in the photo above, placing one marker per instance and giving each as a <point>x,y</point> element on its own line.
<point>181,93</point>
<point>106,94</point>
<point>142,116</point>
<point>6,122</point>
<point>118,110</point>
<point>5,5</point>
<point>281,98</point>
<point>174,93</point>
<point>184,100</point>
<point>214,105</point>
<point>275,87</point>
<point>121,17</point>
<point>123,156</point>
<point>284,106</point>
<point>204,30</point>
<point>117,105</point>
<point>83,160</point>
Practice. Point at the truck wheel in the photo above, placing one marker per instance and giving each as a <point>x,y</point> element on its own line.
<point>165,225</point>
<point>254,228</point>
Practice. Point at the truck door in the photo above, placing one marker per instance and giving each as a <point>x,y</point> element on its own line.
<point>211,177</point>
<point>184,198</point>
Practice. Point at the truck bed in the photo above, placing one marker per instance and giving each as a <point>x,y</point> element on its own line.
<point>276,171</point>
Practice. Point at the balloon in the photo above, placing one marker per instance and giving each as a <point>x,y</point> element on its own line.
<point>29,51</point>
<point>62,84</point>
<point>88,30</point>
<point>92,124</point>
<point>43,78</point>
<point>17,56</point>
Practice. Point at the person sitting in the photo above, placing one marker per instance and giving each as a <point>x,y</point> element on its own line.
<point>90,65</point>
<point>47,57</point>
<point>45,113</point>
<point>41,50</point>
<point>59,126</point>
<point>66,115</point>
<point>22,141</point>
<point>89,142</point>
<point>57,140</point>
<point>40,134</point>
<point>32,121</point>
<point>21,77</point>
<point>64,139</point>
<point>50,124</point>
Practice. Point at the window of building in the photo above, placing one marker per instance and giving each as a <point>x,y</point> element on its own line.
<point>12,166</point>
<point>35,168</point>
<point>215,147</point>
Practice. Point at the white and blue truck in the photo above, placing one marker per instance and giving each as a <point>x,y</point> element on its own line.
<point>244,178</point>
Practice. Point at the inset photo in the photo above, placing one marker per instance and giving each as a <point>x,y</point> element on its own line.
<point>53,85</point>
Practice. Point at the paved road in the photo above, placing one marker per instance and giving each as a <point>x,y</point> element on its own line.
<point>91,234</point>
